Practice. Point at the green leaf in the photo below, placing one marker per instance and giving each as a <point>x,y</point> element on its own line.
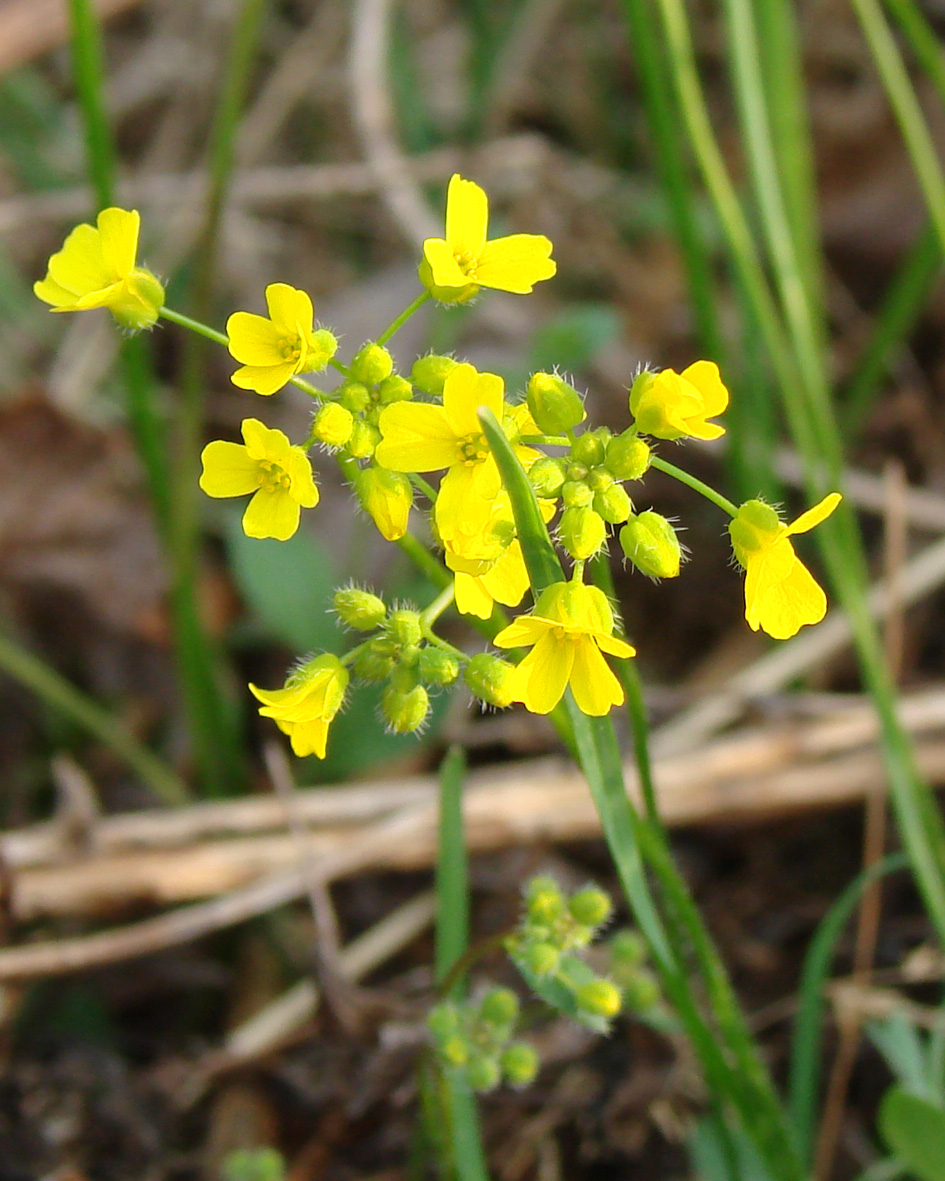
<point>288,585</point>
<point>914,1130</point>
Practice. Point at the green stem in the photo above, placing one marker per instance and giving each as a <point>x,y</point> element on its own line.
<point>429,615</point>
<point>193,325</point>
<point>697,485</point>
<point>58,693</point>
<point>89,75</point>
<point>399,321</point>
<point>422,486</point>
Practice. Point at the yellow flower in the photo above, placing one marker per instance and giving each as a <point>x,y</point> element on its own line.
<point>670,405</point>
<point>304,709</point>
<point>268,465</point>
<point>387,497</point>
<point>419,437</point>
<point>271,351</point>
<point>571,626</point>
<point>456,266</point>
<point>780,592</point>
<point>96,269</point>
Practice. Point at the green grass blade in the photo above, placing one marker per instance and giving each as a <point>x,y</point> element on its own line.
<point>89,77</point>
<point>925,42</point>
<point>66,699</point>
<point>452,871</point>
<point>806,1065</point>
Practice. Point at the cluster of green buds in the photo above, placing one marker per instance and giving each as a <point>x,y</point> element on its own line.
<point>475,1041</point>
<point>629,971</point>
<point>555,928</point>
<point>348,415</point>
<point>589,481</point>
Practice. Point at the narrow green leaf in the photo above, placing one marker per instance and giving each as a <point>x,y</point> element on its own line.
<point>452,871</point>
<point>914,1129</point>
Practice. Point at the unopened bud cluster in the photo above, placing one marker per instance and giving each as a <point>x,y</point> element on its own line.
<point>545,946</point>
<point>475,1041</point>
<point>629,971</point>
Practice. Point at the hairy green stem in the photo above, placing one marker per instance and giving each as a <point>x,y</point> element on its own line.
<point>399,321</point>
<point>695,484</point>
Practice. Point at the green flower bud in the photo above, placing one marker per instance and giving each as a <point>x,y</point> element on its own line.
<point>519,1063</point>
<point>141,298</point>
<point>599,479</point>
<point>322,348</point>
<point>582,532</point>
<point>437,667</point>
<point>405,711</point>
<point>387,496</point>
<point>364,439</point>
<point>403,627</point>
<point>483,1073</point>
<point>354,396</point>
<point>499,1007</point>
<point>454,1050</point>
<point>447,295</point>
<point>430,372</point>
<point>555,406</point>
<point>628,949</point>
<point>542,958</point>
<point>641,991</point>
<point>546,477</point>
<point>359,608</point>
<point>576,494</point>
<point>628,456</point>
<point>371,364</point>
<point>376,661</point>
<point>600,998</point>
<point>591,906</point>
<point>753,528</point>
<point>589,448</point>
<point>544,901</point>
<point>613,504</point>
<point>443,1021</point>
<point>333,424</point>
<point>394,389</point>
<point>489,679</point>
<point>651,544</point>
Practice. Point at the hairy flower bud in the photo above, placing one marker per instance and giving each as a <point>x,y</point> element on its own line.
<point>394,389</point>
<point>544,902</point>
<point>651,544</point>
<point>582,532</point>
<point>576,494</point>
<point>490,679</point>
<point>359,608</point>
<point>499,1006</point>
<point>591,906</point>
<point>555,406</point>
<point>628,949</point>
<point>405,710</point>
<point>443,1020</point>
<point>542,958</point>
<point>600,998</point>
<point>430,372</point>
<point>613,504</point>
<point>354,396</point>
<point>333,424</point>
<point>483,1073</point>
<point>641,990</point>
<point>589,448</point>
<point>437,667</point>
<point>387,496</point>
<point>371,364</point>
<point>364,439</point>
<point>403,627</point>
<point>376,661</point>
<point>753,528</point>
<point>546,476</point>
<point>628,456</point>
<point>519,1063</point>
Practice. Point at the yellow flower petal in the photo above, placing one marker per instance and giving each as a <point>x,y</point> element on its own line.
<point>444,268</point>
<point>540,680</point>
<point>80,266</point>
<point>52,292</point>
<point>705,376</point>
<point>515,263</point>
<point>415,438</point>
<point>813,516</point>
<point>309,738</point>
<point>290,309</point>
<point>228,470</point>
<point>119,229</point>
<point>467,217</point>
<point>254,340</point>
<point>461,513</point>
<point>299,470</point>
<point>263,379</point>
<point>508,581</point>
<point>785,607</point>
<point>271,514</point>
<point>766,568</point>
<point>614,646</point>
<point>262,442</point>
<point>464,391</point>
<point>522,632</point>
<point>593,683</point>
<point>471,596</point>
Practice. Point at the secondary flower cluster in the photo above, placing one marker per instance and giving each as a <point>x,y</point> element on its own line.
<point>393,433</point>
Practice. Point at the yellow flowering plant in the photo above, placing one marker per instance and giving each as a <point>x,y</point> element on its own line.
<point>524,496</point>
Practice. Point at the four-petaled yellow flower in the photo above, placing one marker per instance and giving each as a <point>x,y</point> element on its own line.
<point>268,465</point>
<point>570,628</point>
<point>670,405</point>
<point>419,437</point>
<point>96,269</point>
<point>456,266</point>
<point>781,595</point>
<point>304,709</point>
<point>272,350</point>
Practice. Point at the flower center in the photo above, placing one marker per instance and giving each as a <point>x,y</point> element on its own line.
<point>290,348</point>
<point>272,478</point>
<point>473,449</point>
<point>467,263</point>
